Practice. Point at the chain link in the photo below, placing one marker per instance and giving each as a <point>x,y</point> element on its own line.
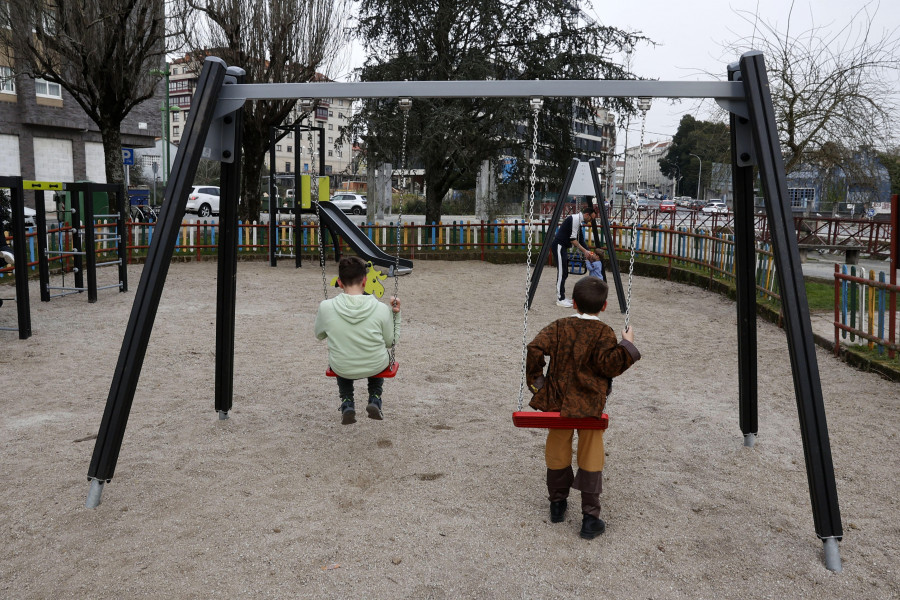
<point>536,104</point>
<point>405,104</point>
<point>644,105</point>
<point>315,201</point>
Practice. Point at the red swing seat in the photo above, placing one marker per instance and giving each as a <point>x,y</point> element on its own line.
<point>552,420</point>
<point>390,371</point>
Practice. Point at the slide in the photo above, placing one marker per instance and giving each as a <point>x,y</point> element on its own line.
<point>340,224</point>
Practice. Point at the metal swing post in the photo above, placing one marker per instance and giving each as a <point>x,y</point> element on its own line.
<point>742,161</point>
<point>153,277</point>
<point>805,370</point>
<point>230,153</point>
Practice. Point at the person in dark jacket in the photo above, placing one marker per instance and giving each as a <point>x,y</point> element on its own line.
<point>569,234</point>
<point>584,357</point>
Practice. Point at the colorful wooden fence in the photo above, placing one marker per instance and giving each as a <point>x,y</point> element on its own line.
<point>865,310</point>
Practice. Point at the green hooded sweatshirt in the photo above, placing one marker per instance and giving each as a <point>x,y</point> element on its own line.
<point>359,329</point>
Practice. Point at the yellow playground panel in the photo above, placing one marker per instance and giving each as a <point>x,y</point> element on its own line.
<point>305,195</point>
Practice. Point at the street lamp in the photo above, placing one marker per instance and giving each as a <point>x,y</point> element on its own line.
<point>699,174</point>
<point>166,110</point>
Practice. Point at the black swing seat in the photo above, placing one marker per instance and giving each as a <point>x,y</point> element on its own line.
<point>390,371</point>
<point>552,420</point>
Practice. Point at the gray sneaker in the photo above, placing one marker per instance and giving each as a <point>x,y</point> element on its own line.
<point>348,412</point>
<point>374,408</point>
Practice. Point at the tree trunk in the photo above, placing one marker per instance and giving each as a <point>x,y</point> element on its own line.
<point>112,152</point>
<point>255,148</point>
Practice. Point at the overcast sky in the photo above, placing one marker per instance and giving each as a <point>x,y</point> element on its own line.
<point>690,36</point>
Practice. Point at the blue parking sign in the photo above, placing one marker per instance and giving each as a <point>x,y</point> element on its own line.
<point>127,156</point>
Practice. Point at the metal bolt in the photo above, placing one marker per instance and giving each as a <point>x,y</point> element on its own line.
<point>226,154</point>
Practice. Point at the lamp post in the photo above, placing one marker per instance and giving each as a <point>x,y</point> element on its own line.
<point>167,108</point>
<point>699,174</point>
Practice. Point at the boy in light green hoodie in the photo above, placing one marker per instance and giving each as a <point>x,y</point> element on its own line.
<point>360,329</point>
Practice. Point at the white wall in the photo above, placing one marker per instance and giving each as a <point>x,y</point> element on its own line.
<point>53,160</point>
<point>9,156</point>
<point>95,162</point>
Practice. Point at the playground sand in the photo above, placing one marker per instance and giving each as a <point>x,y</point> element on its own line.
<point>444,498</point>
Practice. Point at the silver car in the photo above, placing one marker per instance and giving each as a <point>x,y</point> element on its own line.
<point>350,203</point>
<point>203,200</point>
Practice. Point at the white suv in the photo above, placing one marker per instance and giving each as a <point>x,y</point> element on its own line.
<point>350,203</point>
<point>715,207</point>
<point>203,200</point>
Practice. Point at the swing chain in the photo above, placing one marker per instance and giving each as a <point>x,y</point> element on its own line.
<point>315,200</point>
<point>405,105</point>
<point>536,104</point>
<point>644,106</point>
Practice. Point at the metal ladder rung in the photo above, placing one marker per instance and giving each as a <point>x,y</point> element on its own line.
<point>112,216</point>
<point>107,239</point>
<point>64,253</point>
<point>109,263</point>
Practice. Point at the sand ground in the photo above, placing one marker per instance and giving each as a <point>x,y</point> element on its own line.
<point>444,498</point>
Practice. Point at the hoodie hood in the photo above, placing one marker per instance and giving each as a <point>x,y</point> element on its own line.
<point>353,308</point>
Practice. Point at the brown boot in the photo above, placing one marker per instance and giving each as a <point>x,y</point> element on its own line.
<point>559,481</point>
<point>591,484</point>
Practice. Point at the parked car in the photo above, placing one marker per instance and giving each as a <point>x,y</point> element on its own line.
<point>350,203</point>
<point>714,207</point>
<point>203,200</point>
<point>697,204</point>
<point>684,201</point>
<point>641,204</point>
<point>667,206</point>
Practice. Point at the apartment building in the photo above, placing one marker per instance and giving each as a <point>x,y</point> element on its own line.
<point>46,136</point>
<point>331,114</point>
<point>644,175</point>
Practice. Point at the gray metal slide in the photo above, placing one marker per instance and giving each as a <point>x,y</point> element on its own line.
<point>339,223</point>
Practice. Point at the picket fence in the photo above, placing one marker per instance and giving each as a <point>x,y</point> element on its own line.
<point>865,310</point>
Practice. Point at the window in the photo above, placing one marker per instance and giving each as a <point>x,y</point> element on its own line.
<point>47,89</point>
<point>7,81</point>
<point>330,113</point>
<point>330,140</point>
<point>330,153</point>
<point>174,117</point>
<point>174,71</point>
<point>277,147</point>
<point>176,130</point>
<point>331,126</point>
<point>802,197</point>
<point>290,149</point>
<point>305,167</point>
<point>340,115</point>
<point>287,167</point>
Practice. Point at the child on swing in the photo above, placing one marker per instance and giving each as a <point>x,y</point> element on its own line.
<point>584,357</point>
<point>360,329</point>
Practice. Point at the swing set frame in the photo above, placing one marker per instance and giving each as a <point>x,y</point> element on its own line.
<point>214,129</point>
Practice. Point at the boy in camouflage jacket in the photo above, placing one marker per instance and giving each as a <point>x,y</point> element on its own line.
<point>584,357</point>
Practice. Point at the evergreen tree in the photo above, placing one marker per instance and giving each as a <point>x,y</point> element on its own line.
<point>489,40</point>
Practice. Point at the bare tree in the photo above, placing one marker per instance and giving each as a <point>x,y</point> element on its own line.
<point>831,88</point>
<point>287,41</point>
<point>100,51</point>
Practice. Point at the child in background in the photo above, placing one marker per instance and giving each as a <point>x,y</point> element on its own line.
<point>584,357</point>
<point>360,329</point>
<point>594,262</point>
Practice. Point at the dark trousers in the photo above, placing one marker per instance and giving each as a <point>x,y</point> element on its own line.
<point>561,256</point>
<point>345,387</point>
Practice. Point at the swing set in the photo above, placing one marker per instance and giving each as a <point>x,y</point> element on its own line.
<point>214,130</point>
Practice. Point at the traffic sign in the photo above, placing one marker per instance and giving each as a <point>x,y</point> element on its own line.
<point>127,156</point>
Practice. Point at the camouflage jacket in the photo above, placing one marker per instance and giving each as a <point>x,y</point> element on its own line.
<point>584,357</point>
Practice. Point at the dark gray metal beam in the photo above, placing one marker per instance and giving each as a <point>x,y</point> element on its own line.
<point>804,366</point>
